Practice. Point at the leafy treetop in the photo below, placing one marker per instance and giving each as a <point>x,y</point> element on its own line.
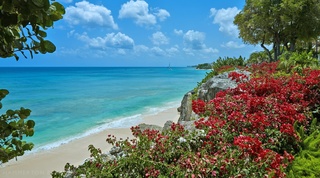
<point>23,24</point>
<point>281,23</point>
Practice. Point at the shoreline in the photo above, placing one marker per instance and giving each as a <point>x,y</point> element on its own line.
<point>42,163</point>
<point>115,123</point>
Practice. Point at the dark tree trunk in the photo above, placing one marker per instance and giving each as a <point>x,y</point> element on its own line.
<point>276,46</point>
<point>268,52</point>
<point>292,45</point>
<point>266,49</point>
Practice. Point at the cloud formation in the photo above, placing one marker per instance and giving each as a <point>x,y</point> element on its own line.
<point>158,38</point>
<point>158,51</point>
<point>162,14</point>
<point>233,44</point>
<point>111,40</point>
<point>90,15</point>
<point>178,32</point>
<point>139,12</point>
<point>224,18</point>
<point>194,39</point>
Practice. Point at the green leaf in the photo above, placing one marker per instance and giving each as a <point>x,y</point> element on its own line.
<point>31,123</point>
<point>7,133</point>
<point>15,134</point>
<point>13,124</point>
<point>59,8</point>
<point>42,33</point>
<point>3,93</point>
<point>30,133</point>
<point>49,46</point>
<point>18,44</point>
<point>10,113</point>
<point>55,17</point>
<point>24,113</point>
<point>27,146</point>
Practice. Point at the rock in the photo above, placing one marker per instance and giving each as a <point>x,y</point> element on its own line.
<point>207,91</point>
<point>144,127</point>
<point>115,150</point>
<point>167,126</point>
<point>107,157</point>
<point>188,125</point>
<point>69,174</point>
<point>186,107</point>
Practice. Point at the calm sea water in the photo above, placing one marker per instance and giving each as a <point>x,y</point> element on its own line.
<point>68,103</point>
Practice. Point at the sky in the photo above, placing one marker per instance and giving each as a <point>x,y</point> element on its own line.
<point>142,33</point>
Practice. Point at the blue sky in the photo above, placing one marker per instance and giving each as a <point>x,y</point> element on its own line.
<point>142,33</point>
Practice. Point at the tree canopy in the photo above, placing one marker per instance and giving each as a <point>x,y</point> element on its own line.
<point>23,24</point>
<point>280,23</point>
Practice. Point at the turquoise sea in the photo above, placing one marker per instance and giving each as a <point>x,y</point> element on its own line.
<point>69,103</point>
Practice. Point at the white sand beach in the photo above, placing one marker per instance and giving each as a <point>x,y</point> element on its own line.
<point>41,164</point>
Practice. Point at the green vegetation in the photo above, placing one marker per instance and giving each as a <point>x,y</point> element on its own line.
<point>281,23</point>
<point>227,64</point>
<point>23,26</point>
<point>13,126</point>
<point>291,62</point>
<point>307,161</point>
<point>204,66</point>
<point>258,57</point>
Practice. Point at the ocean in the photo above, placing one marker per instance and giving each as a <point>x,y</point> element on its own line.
<point>72,102</point>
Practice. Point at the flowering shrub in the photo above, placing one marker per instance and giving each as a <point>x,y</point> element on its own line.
<point>237,76</point>
<point>198,106</point>
<point>249,131</point>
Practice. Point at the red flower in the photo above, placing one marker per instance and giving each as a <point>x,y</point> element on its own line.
<point>198,106</point>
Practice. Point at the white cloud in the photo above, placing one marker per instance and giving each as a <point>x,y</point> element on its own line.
<point>194,44</point>
<point>121,51</point>
<point>69,34</point>
<point>90,15</point>
<point>225,17</point>
<point>139,11</point>
<point>141,49</point>
<point>210,50</point>
<point>159,38</point>
<point>194,39</point>
<point>111,40</point>
<point>233,44</point>
<point>158,51</point>
<point>162,14</point>
<point>178,32</point>
<point>172,50</point>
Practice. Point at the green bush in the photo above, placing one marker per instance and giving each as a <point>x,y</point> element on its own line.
<point>258,57</point>
<point>291,62</point>
<point>13,127</point>
<point>307,161</point>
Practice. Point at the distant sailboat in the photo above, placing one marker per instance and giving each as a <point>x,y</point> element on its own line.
<point>169,67</point>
